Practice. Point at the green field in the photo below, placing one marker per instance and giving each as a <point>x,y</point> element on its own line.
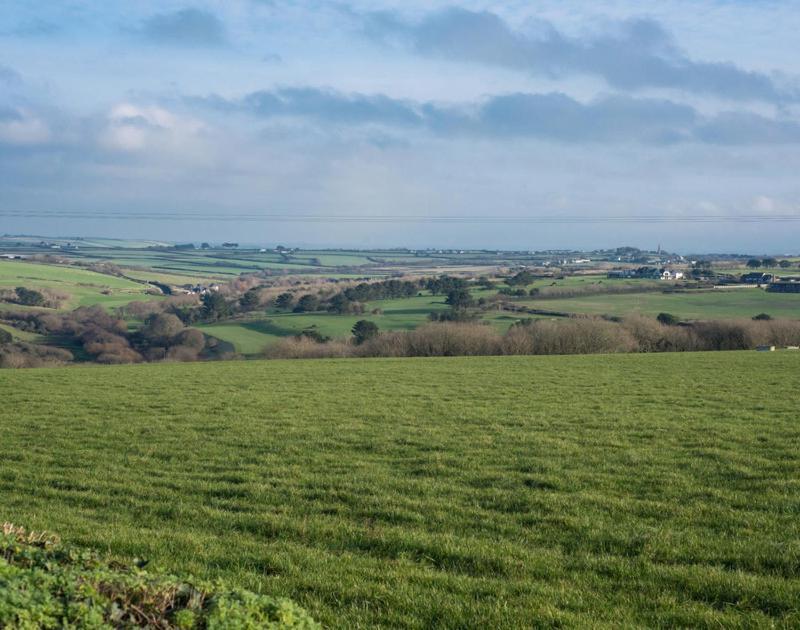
<point>251,335</point>
<point>84,287</point>
<point>593,491</point>
<point>710,304</point>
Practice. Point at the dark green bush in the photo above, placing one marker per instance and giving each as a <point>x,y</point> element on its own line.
<point>44,584</point>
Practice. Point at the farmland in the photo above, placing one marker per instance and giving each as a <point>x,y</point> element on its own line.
<point>453,492</point>
<point>83,287</point>
<point>706,304</point>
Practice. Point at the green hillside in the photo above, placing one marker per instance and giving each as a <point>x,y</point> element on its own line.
<point>84,287</point>
<point>602,491</point>
<point>710,304</point>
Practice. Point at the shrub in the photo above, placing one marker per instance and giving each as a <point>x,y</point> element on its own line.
<point>29,297</point>
<point>574,336</point>
<point>363,330</point>
<point>668,319</point>
<point>303,347</point>
<point>25,355</point>
<point>49,585</point>
<point>762,316</point>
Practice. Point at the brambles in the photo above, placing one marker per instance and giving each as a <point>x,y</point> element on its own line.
<point>44,584</point>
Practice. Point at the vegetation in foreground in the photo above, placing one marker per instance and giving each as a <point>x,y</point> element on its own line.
<point>602,491</point>
<point>44,584</point>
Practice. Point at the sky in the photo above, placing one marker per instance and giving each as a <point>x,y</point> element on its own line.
<point>472,124</point>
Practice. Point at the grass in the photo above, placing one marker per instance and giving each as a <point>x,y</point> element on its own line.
<point>250,336</point>
<point>84,287</point>
<point>602,491</point>
<point>711,304</point>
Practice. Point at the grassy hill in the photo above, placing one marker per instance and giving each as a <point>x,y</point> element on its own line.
<point>603,491</point>
<point>84,287</point>
<point>706,304</point>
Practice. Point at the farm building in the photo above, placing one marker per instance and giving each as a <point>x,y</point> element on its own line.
<point>757,277</point>
<point>784,287</point>
<point>652,273</point>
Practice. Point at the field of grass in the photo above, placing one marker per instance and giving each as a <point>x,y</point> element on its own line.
<point>508,492</point>
<point>84,287</point>
<point>250,336</point>
<point>711,304</point>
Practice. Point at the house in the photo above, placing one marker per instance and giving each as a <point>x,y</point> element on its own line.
<point>784,287</point>
<point>757,277</point>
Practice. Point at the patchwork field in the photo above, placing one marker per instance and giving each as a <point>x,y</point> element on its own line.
<point>84,287</point>
<point>251,335</point>
<point>710,304</point>
<point>602,491</point>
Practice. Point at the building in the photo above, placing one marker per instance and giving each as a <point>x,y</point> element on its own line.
<point>757,277</point>
<point>784,287</point>
<point>651,273</point>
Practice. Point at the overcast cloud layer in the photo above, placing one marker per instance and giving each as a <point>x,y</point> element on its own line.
<point>402,109</point>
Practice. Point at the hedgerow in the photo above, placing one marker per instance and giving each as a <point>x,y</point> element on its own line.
<point>45,584</point>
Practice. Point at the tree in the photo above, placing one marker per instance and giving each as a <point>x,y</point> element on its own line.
<point>306,304</point>
<point>364,330</point>
<point>754,263</point>
<point>459,298</point>
<point>160,329</point>
<point>785,264</point>
<point>668,319</point>
<point>284,301</point>
<point>769,262</point>
<point>205,246</point>
<point>215,306</point>
<point>701,269</point>
<point>250,300</point>
<point>762,317</point>
<point>29,297</point>
<point>5,337</point>
<point>522,278</point>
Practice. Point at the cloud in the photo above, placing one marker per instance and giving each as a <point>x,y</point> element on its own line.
<point>9,76</point>
<point>129,127</point>
<point>191,28</point>
<point>34,28</point>
<point>19,127</point>
<point>551,116</point>
<point>638,54</point>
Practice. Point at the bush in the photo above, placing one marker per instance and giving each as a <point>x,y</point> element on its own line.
<point>668,319</point>
<point>48,585</point>
<point>303,347</point>
<point>364,330</point>
<point>26,355</point>
<point>29,297</point>
<point>570,336</point>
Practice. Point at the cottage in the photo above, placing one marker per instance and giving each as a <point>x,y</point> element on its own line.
<point>757,277</point>
<point>784,287</point>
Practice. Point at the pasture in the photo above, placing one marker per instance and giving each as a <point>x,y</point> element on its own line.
<point>250,335</point>
<point>84,287</point>
<point>507,492</point>
<point>693,304</point>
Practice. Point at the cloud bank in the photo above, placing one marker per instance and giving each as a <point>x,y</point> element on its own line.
<point>552,116</point>
<point>638,54</point>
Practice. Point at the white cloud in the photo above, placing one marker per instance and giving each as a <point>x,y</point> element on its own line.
<point>23,128</point>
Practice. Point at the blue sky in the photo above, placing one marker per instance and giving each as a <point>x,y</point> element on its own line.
<point>217,111</point>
